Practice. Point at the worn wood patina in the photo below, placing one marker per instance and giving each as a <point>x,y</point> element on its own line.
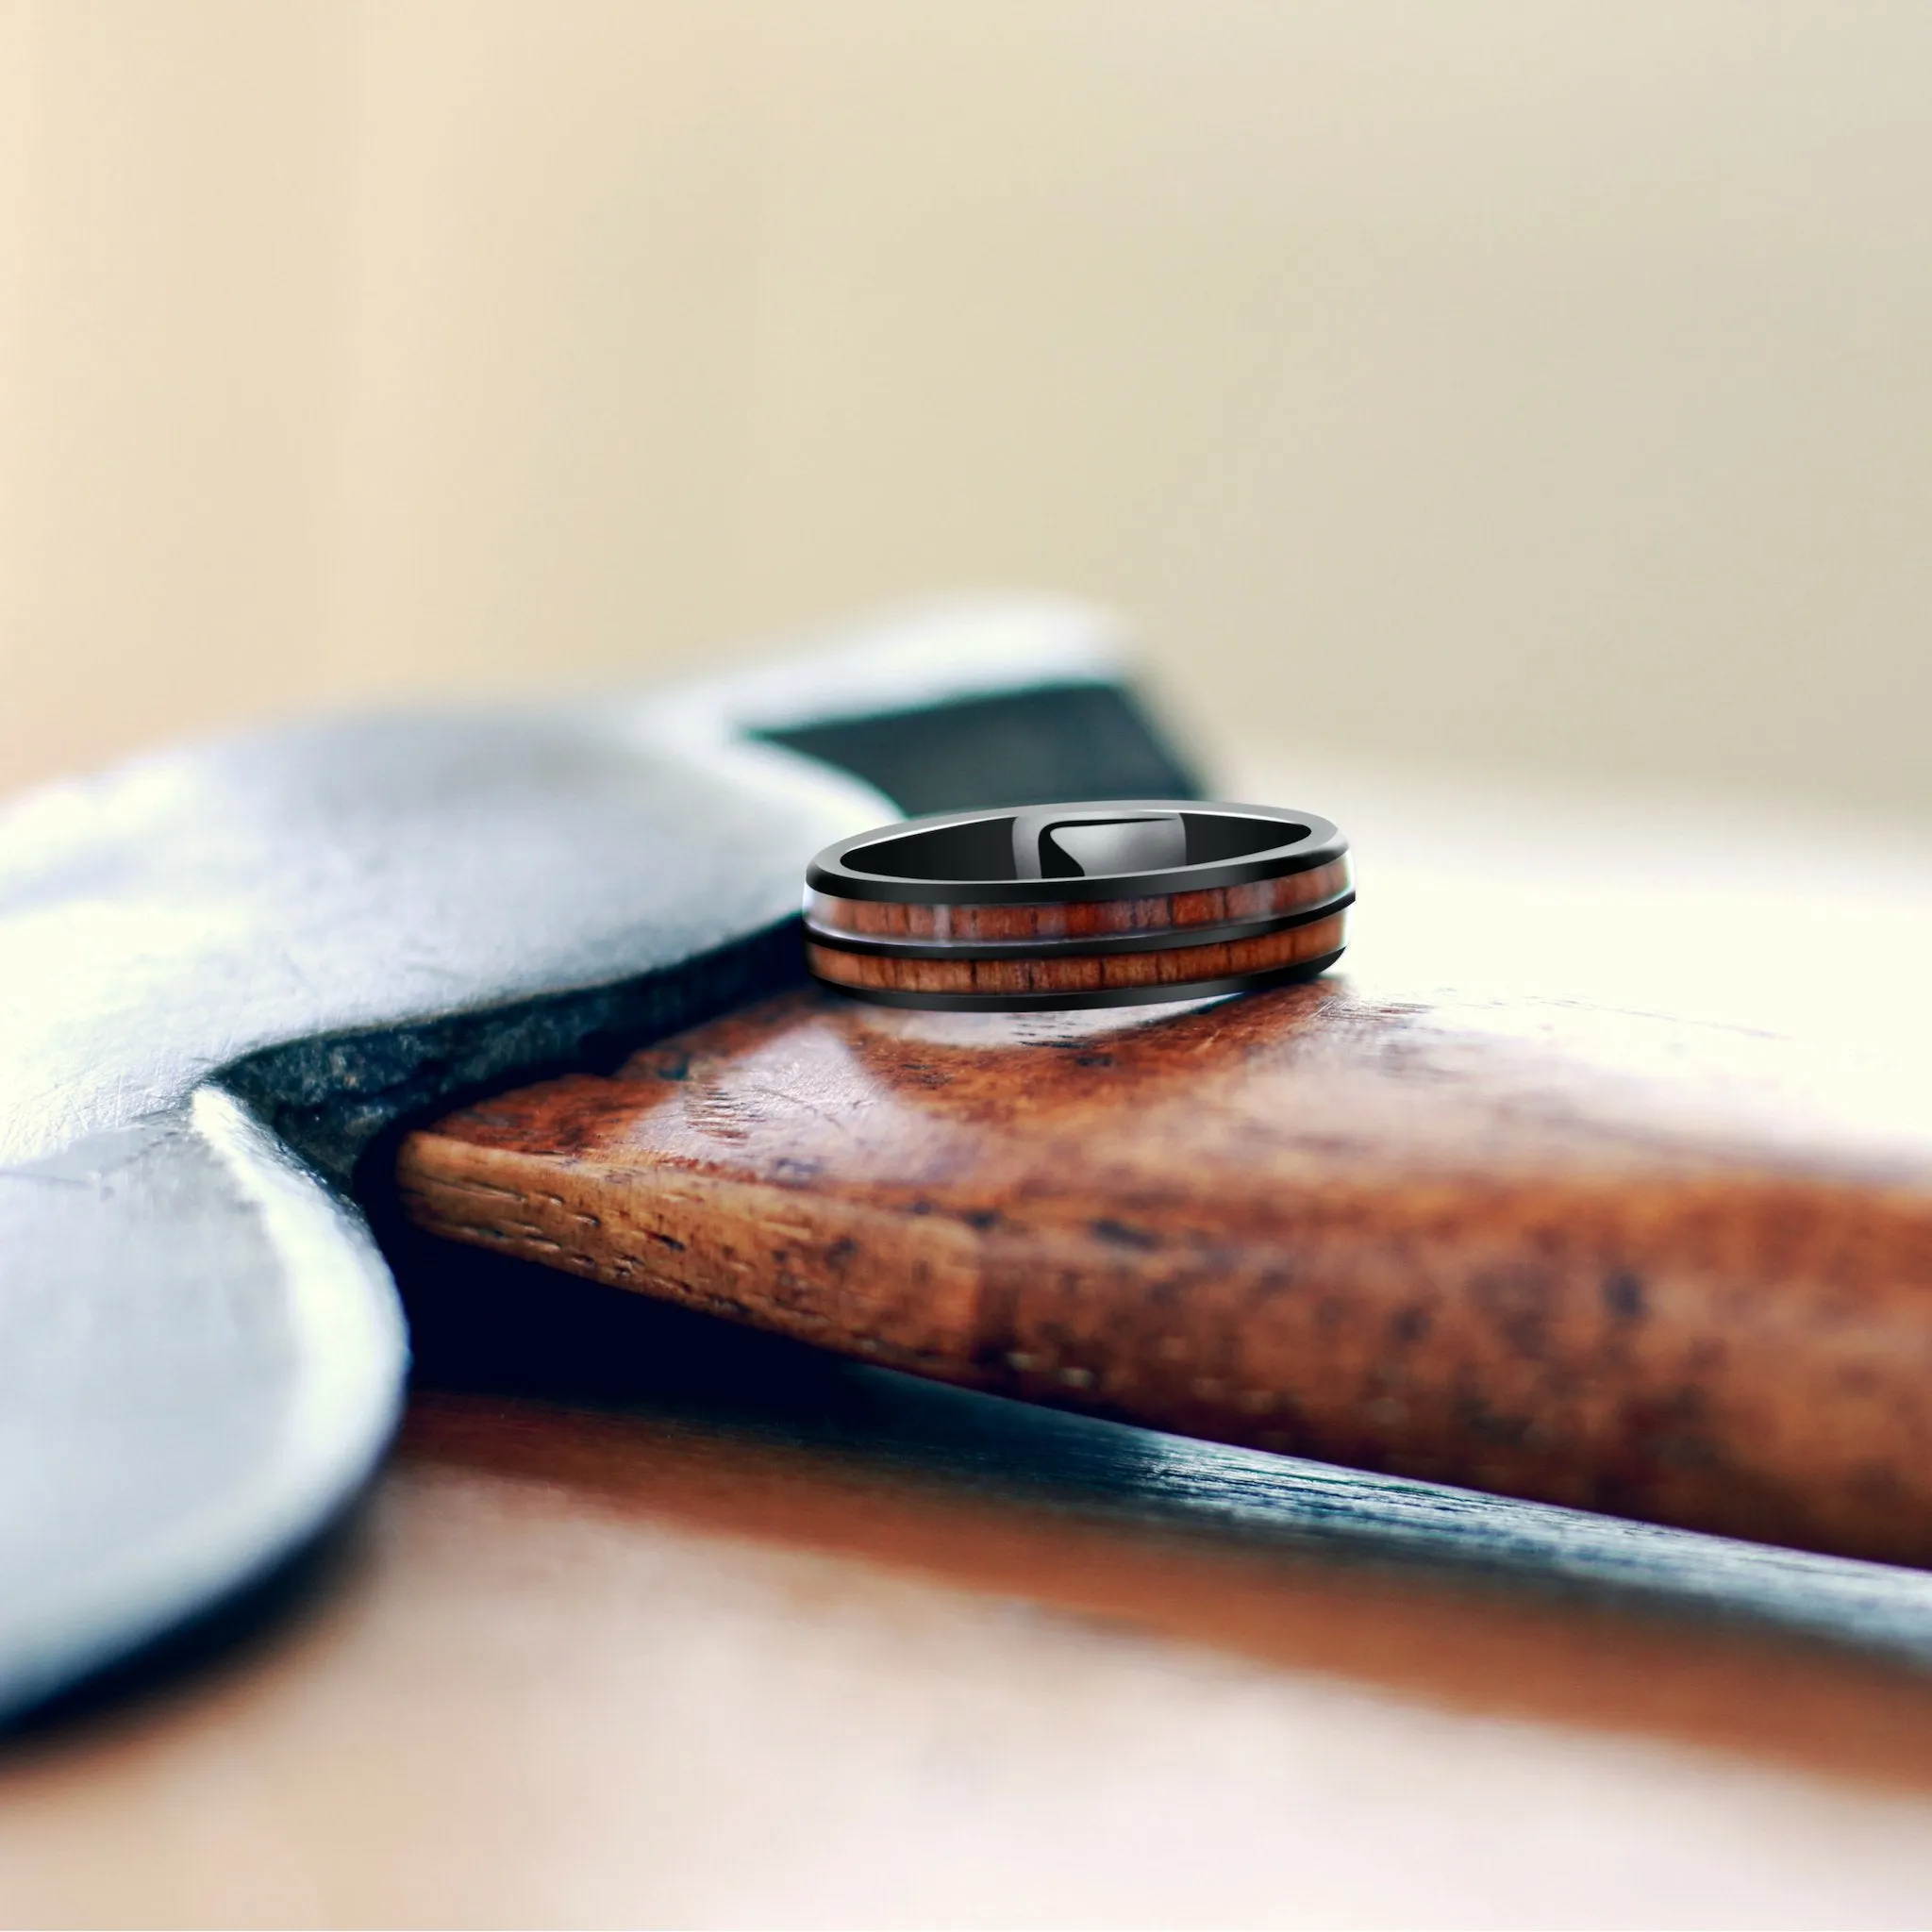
<point>1450,1239</point>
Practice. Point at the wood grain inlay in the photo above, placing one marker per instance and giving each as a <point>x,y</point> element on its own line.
<point>1170,966</point>
<point>874,919</point>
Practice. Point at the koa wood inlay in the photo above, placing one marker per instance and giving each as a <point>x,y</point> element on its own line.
<point>1075,906</point>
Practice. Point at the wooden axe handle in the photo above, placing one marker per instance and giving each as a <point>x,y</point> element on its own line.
<point>1551,1251</point>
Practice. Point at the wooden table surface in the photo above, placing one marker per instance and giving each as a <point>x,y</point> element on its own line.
<point>650,1621</point>
<point>763,1644</point>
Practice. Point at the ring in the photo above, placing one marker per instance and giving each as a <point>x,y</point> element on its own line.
<point>1110,904</point>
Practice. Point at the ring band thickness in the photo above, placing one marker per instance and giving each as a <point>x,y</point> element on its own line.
<point>1240,896</point>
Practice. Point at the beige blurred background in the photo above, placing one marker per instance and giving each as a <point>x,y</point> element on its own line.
<point>1514,389</point>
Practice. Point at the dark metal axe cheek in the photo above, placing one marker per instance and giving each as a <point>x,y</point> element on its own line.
<point>226,970</point>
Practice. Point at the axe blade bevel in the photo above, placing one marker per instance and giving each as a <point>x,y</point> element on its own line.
<point>228,969</point>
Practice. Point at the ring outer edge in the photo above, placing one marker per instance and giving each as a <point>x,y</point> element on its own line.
<point>1324,844</point>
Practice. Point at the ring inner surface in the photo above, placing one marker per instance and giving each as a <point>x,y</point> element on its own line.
<point>1070,842</point>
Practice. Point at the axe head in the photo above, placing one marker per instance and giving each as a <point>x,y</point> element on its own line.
<point>229,968</point>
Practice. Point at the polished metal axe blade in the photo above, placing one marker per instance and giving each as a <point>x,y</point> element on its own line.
<point>226,970</point>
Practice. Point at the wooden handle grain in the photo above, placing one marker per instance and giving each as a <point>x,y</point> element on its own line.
<point>1558,1254</point>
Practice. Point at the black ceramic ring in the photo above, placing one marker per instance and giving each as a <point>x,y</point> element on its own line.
<point>1109,904</point>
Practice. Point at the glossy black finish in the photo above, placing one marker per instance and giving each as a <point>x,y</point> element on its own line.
<point>965,858</point>
<point>1082,851</point>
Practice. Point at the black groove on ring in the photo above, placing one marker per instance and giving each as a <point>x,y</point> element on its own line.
<point>1158,940</point>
